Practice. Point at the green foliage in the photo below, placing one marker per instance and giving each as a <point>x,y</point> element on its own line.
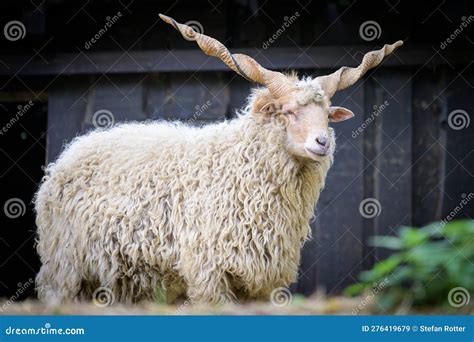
<point>427,263</point>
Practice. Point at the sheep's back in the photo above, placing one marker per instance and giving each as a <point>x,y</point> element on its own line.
<point>107,194</point>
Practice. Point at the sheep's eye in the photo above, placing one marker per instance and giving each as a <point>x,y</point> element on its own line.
<point>289,112</point>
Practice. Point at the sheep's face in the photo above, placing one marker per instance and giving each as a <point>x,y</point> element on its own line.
<point>306,114</point>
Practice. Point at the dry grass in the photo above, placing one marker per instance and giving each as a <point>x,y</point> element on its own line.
<point>315,305</point>
<point>298,306</point>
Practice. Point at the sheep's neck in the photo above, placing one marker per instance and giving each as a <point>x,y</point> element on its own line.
<point>299,182</point>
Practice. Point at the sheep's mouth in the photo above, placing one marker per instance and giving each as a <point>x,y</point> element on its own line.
<point>315,153</point>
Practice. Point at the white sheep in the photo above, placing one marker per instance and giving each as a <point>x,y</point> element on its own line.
<point>209,214</point>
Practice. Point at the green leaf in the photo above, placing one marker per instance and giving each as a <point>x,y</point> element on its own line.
<point>459,230</point>
<point>428,262</point>
<point>355,289</point>
<point>412,237</point>
<point>382,269</point>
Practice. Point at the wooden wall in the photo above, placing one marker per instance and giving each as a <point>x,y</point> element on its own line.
<point>408,158</point>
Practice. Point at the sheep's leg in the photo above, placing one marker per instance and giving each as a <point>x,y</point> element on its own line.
<point>57,284</point>
<point>262,295</point>
<point>215,289</point>
<point>174,288</point>
<point>175,291</point>
<point>173,296</point>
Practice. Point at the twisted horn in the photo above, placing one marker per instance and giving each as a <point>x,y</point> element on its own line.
<point>346,76</point>
<point>245,66</point>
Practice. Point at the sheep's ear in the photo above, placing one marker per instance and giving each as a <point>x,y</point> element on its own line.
<point>337,114</point>
<point>268,109</point>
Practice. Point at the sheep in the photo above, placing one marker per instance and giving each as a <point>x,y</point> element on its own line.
<point>208,214</point>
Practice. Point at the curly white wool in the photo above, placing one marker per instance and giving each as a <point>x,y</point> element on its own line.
<point>211,213</point>
<point>310,91</point>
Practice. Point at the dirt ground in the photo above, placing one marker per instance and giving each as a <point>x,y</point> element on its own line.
<point>298,306</point>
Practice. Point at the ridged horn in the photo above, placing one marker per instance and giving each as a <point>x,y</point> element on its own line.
<point>278,84</point>
<point>346,76</point>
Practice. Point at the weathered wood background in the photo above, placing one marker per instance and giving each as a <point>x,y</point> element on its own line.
<point>407,158</point>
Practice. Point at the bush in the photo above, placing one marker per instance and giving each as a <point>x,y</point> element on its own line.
<point>427,264</point>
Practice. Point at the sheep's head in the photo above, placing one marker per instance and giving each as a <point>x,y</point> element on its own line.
<point>302,104</point>
<point>305,113</point>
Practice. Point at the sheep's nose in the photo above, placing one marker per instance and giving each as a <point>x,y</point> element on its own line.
<point>322,140</point>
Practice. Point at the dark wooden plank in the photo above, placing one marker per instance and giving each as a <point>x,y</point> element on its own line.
<point>428,155</point>
<point>115,99</point>
<point>194,59</point>
<point>67,105</point>
<point>333,257</point>
<point>239,92</point>
<point>457,186</point>
<point>22,155</point>
<point>393,162</point>
<point>194,99</point>
<point>80,104</point>
<point>368,133</point>
<point>155,95</point>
